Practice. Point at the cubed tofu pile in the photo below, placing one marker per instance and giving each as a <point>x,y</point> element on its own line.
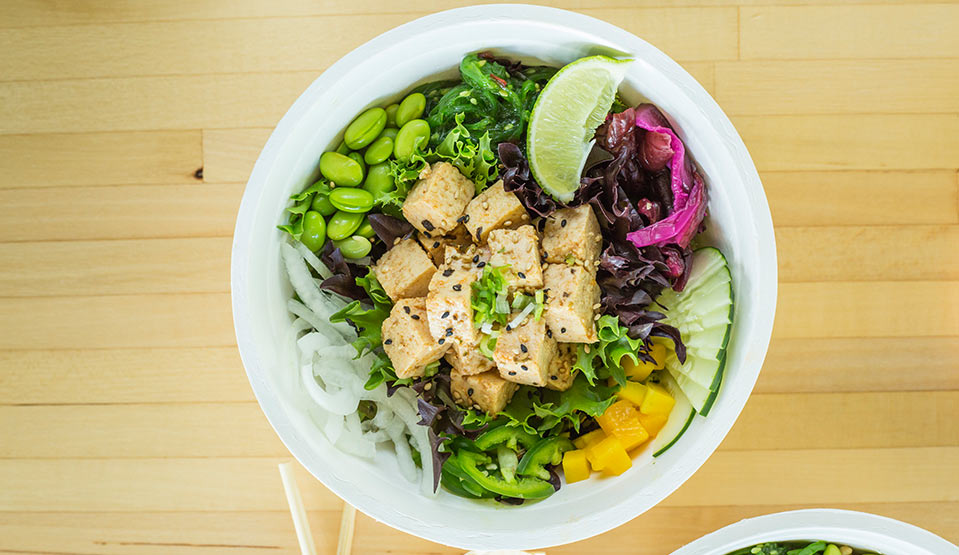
<point>429,279</point>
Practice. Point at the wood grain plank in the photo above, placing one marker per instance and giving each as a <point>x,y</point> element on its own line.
<point>120,321</point>
<point>71,159</point>
<point>115,212</point>
<point>805,198</point>
<point>120,267</point>
<point>860,364</point>
<point>891,252</point>
<point>837,31</point>
<point>229,154</point>
<point>821,476</point>
<point>215,46</point>
<point>867,309</point>
<point>769,422</point>
<point>851,142</point>
<point>271,532</point>
<point>145,375</point>
<point>838,86</point>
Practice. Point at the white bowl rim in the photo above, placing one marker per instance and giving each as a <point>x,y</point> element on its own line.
<point>764,294</point>
<point>858,529</point>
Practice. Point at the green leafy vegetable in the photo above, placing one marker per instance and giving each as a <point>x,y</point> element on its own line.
<point>368,321</point>
<point>301,203</point>
<point>603,359</point>
<point>490,297</point>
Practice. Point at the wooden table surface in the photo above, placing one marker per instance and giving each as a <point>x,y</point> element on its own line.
<point>128,129</point>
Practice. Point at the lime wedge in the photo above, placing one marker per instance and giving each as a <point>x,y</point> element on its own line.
<point>571,106</point>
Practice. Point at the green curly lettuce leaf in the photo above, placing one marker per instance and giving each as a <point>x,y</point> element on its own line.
<point>603,359</point>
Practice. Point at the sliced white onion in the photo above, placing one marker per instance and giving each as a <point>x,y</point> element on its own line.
<point>313,261</point>
<point>521,316</point>
<point>341,402</point>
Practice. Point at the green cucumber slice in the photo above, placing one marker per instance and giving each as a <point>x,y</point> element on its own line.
<point>679,419</point>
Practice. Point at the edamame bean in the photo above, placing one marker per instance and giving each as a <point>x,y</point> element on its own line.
<point>354,247</point>
<point>349,199</point>
<point>379,151</point>
<point>314,230</point>
<point>389,132</point>
<point>411,108</point>
<point>321,203</point>
<point>358,158</point>
<point>365,128</point>
<point>414,133</point>
<point>342,225</point>
<point>342,148</point>
<point>365,229</point>
<point>831,549</point>
<point>379,180</point>
<point>391,114</point>
<point>341,169</point>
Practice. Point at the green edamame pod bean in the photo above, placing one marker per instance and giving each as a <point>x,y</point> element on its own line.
<point>389,132</point>
<point>358,158</point>
<point>411,108</point>
<point>321,204</point>
<point>342,225</point>
<point>365,229</point>
<point>341,169</point>
<point>314,230</point>
<point>379,180</point>
<point>354,247</point>
<point>379,151</point>
<point>349,199</point>
<point>365,128</point>
<point>414,133</point>
<point>391,114</point>
<point>342,148</point>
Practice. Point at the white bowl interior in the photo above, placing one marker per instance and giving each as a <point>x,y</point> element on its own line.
<point>739,225</point>
<point>864,531</point>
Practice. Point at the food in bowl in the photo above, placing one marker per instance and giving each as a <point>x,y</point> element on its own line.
<point>800,548</point>
<point>505,270</point>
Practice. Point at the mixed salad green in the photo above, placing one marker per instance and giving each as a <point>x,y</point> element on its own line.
<point>800,548</point>
<point>651,312</point>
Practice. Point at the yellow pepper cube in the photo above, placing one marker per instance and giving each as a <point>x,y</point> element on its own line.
<point>632,434</point>
<point>588,439</point>
<point>633,392</point>
<point>657,400</point>
<point>611,456</point>
<point>617,413</point>
<point>592,455</point>
<point>642,370</point>
<point>653,423</point>
<point>575,466</point>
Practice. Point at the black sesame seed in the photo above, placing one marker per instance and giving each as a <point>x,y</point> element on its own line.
<point>442,340</point>
<point>466,218</point>
<point>479,232</point>
<point>429,225</point>
<point>508,327</point>
<point>561,224</point>
<point>457,287</point>
<point>427,233</point>
<point>523,367</point>
<point>449,332</point>
<point>388,342</point>
<point>522,347</point>
<point>469,392</point>
<point>406,309</point>
<point>541,224</point>
<point>481,264</point>
<point>554,377</point>
<point>447,272</point>
<point>549,333</point>
<point>562,330</point>
<point>475,259</point>
<point>521,275</point>
<point>461,219</point>
<point>415,316</point>
<point>445,314</point>
<point>436,244</point>
<point>512,372</point>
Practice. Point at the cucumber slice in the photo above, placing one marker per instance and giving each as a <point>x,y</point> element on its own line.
<point>703,314</point>
<point>679,419</point>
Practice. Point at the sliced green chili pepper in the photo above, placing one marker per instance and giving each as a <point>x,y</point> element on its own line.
<point>505,435</point>
<point>453,473</point>
<point>546,451</point>
<point>523,488</point>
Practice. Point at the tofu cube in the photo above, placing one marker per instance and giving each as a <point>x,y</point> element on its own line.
<point>405,270</point>
<point>459,239</point>
<point>407,339</point>
<point>523,354</point>
<point>572,233</point>
<point>438,199</point>
<point>450,313</point>
<point>571,294</point>
<point>467,359</point>
<point>561,367</point>
<point>492,209</point>
<point>486,391</point>
<point>519,249</point>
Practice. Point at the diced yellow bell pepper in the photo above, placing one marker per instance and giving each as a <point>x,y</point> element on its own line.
<point>632,434</point>
<point>657,400</point>
<point>618,412</point>
<point>621,420</point>
<point>588,439</point>
<point>641,371</point>
<point>653,422</point>
<point>610,455</point>
<point>575,466</point>
<point>632,392</point>
<point>593,456</point>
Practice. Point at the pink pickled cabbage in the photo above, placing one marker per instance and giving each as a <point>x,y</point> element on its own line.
<point>689,191</point>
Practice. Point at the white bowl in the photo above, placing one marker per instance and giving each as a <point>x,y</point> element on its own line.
<point>381,70</point>
<point>865,531</point>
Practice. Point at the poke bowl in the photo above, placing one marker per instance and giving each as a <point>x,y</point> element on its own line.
<point>815,531</point>
<point>346,383</point>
